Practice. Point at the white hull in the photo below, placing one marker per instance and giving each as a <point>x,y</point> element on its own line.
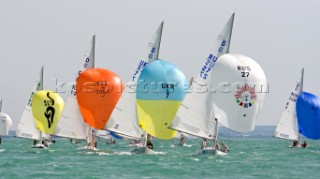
<point>210,150</point>
<point>39,146</point>
<point>142,150</point>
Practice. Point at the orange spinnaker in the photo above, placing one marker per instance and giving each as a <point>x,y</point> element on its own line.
<point>98,91</point>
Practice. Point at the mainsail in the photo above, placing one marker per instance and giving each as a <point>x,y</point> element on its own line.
<point>27,127</point>
<point>123,119</point>
<point>71,124</point>
<point>195,114</point>
<point>46,108</point>
<point>287,127</point>
<point>160,91</point>
<point>98,91</point>
<point>307,107</point>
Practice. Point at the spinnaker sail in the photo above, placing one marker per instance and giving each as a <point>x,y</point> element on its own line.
<point>98,91</point>
<point>308,115</point>
<point>160,91</point>
<point>46,108</point>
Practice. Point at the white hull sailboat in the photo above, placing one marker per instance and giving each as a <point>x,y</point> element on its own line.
<point>123,120</point>
<point>71,124</point>
<point>287,127</point>
<point>195,115</point>
<point>27,127</point>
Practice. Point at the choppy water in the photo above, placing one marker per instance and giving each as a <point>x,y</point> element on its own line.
<point>254,155</point>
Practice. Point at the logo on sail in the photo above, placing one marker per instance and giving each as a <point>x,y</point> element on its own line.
<point>245,96</point>
<point>49,113</point>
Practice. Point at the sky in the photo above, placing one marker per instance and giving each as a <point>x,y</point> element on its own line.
<point>282,36</point>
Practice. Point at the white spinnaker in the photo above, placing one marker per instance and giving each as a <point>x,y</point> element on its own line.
<point>5,124</point>
<point>27,127</point>
<point>195,115</point>
<point>71,123</point>
<point>123,119</point>
<point>287,127</point>
<point>240,85</point>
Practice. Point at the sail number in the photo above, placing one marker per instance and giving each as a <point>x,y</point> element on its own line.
<point>245,71</point>
<point>209,64</point>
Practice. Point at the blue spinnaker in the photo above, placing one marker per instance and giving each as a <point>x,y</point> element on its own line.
<point>308,115</point>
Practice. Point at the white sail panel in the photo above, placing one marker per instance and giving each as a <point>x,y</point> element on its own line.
<point>240,86</point>
<point>124,117</point>
<point>27,127</point>
<point>287,127</point>
<point>71,123</point>
<point>5,124</point>
<point>151,53</point>
<point>195,116</point>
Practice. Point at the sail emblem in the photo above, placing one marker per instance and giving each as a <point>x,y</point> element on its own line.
<point>49,113</point>
<point>245,96</point>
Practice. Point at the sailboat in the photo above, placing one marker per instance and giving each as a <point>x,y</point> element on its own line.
<point>27,127</point>
<point>5,122</point>
<point>98,91</point>
<point>46,109</point>
<point>240,96</point>
<point>71,124</point>
<point>287,127</point>
<point>195,115</point>
<point>300,116</point>
<point>123,120</point>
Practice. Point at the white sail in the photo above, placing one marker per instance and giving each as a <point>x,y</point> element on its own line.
<point>195,115</point>
<point>240,85</point>
<point>123,119</point>
<point>287,127</point>
<point>5,124</point>
<point>71,123</point>
<point>27,127</point>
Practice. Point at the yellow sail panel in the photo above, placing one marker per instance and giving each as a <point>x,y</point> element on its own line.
<point>154,120</point>
<point>46,109</point>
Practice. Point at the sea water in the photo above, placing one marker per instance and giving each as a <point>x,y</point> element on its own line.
<point>252,155</point>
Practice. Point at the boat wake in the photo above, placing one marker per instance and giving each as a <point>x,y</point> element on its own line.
<point>2,150</point>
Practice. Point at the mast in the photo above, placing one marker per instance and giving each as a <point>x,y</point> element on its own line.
<point>0,105</point>
<point>301,83</point>
<point>216,128</point>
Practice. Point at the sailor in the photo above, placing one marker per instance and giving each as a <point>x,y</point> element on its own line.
<point>203,143</point>
<point>224,148</point>
<point>304,145</point>
<point>182,140</point>
<point>0,140</point>
<point>296,144</point>
<point>149,143</point>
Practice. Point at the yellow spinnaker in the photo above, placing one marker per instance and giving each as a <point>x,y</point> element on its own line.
<point>46,109</point>
<point>155,116</point>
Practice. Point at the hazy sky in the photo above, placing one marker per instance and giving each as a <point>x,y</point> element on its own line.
<point>282,36</point>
